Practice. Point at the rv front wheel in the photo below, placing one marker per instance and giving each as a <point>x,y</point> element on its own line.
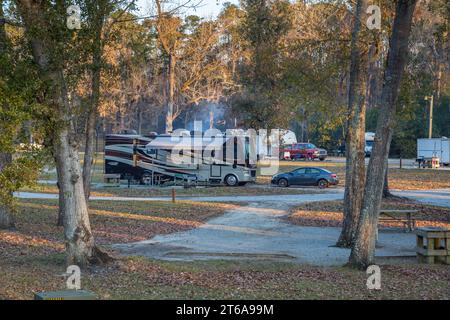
<point>146,179</point>
<point>231,180</point>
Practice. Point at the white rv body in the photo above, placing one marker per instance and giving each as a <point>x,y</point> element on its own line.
<point>220,159</point>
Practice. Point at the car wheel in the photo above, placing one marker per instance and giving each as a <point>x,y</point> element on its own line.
<point>283,183</point>
<point>323,184</point>
<point>146,179</point>
<point>231,180</point>
<point>322,159</point>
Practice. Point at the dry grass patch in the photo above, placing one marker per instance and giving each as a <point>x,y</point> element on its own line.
<point>198,192</point>
<point>119,222</point>
<point>424,179</point>
<point>329,214</point>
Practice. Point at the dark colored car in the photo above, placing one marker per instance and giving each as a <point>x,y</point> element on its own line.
<point>307,177</point>
<point>303,151</point>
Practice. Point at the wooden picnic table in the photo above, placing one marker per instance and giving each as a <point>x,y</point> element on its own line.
<point>405,216</point>
<point>433,245</point>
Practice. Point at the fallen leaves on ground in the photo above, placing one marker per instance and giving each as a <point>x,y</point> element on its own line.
<point>32,260</point>
<point>139,278</point>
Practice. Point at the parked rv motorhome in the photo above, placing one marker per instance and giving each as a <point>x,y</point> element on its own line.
<point>161,158</point>
<point>434,148</point>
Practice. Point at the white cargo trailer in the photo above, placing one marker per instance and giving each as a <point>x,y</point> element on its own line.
<point>434,148</point>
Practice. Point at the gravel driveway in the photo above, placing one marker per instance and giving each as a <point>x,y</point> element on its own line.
<point>257,231</point>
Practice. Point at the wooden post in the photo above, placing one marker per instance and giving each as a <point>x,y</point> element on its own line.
<point>173,195</point>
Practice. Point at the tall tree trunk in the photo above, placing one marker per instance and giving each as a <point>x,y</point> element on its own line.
<point>3,37</point>
<point>171,102</point>
<point>89,152</point>
<point>61,209</point>
<point>355,140</point>
<point>6,219</point>
<point>77,230</point>
<point>363,251</point>
<point>79,241</point>
<point>386,191</point>
<point>89,148</point>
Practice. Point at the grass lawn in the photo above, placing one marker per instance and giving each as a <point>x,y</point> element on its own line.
<point>32,260</point>
<point>329,214</point>
<point>202,192</point>
<point>250,190</point>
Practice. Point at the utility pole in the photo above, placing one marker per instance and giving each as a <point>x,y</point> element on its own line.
<point>431,99</point>
<point>211,120</point>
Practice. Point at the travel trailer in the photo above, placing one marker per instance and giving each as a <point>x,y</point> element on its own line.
<point>156,159</point>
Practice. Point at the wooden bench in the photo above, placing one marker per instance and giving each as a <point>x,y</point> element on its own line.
<point>407,217</point>
<point>433,245</point>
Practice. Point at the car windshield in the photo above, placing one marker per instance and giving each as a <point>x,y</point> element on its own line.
<point>306,146</point>
<point>369,143</point>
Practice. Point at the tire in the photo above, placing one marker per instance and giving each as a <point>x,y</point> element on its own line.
<point>283,183</point>
<point>323,184</point>
<point>231,180</point>
<point>322,159</point>
<point>146,179</point>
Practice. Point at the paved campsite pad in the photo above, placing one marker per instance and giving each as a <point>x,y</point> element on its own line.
<point>259,232</point>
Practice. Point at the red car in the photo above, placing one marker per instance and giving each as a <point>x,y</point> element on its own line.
<point>302,151</point>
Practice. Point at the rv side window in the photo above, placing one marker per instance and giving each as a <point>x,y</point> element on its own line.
<point>152,152</point>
